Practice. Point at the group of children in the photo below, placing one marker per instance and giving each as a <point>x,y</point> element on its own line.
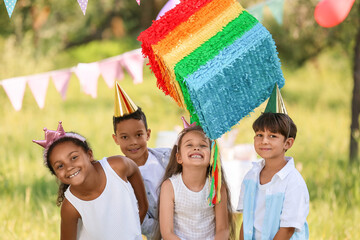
<point>162,193</point>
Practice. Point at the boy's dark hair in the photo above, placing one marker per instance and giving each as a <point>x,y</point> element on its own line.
<point>138,115</point>
<point>276,123</point>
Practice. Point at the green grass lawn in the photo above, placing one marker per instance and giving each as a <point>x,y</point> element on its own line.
<point>317,97</point>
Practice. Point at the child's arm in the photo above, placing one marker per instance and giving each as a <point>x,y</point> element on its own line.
<point>241,236</point>
<point>69,220</point>
<point>284,233</point>
<point>128,170</point>
<point>221,217</point>
<point>166,211</point>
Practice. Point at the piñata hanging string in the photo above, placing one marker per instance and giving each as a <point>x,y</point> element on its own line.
<point>215,175</point>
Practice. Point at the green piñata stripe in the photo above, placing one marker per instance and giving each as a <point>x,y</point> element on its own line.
<point>208,50</point>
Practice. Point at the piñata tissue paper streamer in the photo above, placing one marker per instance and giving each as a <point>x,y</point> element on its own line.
<point>215,59</point>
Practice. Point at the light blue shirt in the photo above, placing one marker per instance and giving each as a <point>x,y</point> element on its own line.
<point>286,203</point>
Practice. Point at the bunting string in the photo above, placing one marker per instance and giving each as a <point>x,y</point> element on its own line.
<point>87,73</point>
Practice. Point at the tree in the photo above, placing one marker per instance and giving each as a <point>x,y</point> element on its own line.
<point>355,103</point>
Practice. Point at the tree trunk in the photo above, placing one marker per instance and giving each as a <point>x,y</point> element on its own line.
<point>355,104</point>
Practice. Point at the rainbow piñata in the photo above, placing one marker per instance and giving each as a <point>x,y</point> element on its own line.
<point>215,59</point>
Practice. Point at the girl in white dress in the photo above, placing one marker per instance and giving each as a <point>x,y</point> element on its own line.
<point>184,211</point>
<point>99,199</point>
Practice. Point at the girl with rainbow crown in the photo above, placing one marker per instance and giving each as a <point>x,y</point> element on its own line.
<point>99,200</point>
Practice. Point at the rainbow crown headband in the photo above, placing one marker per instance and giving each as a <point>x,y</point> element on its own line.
<point>214,59</point>
<point>51,136</point>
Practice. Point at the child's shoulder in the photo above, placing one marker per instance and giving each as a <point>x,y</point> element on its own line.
<point>160,151</point>
<point>255,169</point>
<point>118,163</point>
<point>294,177</point>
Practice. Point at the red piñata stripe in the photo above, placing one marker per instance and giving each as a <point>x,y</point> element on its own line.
<point>161,27</point>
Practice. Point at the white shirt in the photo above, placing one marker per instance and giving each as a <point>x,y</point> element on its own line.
<point>194,218</point>
<point>260,208</point>
<point>153,172</point>
<point>286,202</point>
<point>113,215</point>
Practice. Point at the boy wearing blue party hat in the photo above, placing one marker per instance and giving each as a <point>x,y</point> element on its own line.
<point>131,133</point>
<point>274,198</point>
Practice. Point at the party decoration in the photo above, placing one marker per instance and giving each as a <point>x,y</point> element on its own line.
<point>109,71</point>
<point>38,85</point>
<point>123,104</point>
<point>51,136</point>
<point>277,9</point>
<point>61,81</point>
<point>138,2</point>
<point>83,5</point>
<point>15,89</point>
<point>257,11</point>
<point>214,59</point>
<point>130,63</point>
<point>169,5</point>
<point>186,124</point>
<point>10,5</point>
<point>215,175</point>
<point>275,103</point>
<point>329,13</point>
<point>87,73</point>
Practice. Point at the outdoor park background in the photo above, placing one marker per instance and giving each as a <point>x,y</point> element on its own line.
<point>317,65</point>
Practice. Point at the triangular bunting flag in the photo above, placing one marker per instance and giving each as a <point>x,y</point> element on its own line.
<point>120,72</point>
<point>38,85</point>
<point>15,89</point>
<point>277,8</point>
<point>10,5</point>
<point>83,5</point>
<point>275,103</point>
<point>61,81</point>
<point>138,2</point>
<point>133,62</point>
<point>88,74</point>
<point>109,71</point>
<point>257,11</point>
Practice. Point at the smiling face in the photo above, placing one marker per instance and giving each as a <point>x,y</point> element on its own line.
<point>194,150</point>
<point>70,162</point>
<point>271,146</point>
<point>132,136</point>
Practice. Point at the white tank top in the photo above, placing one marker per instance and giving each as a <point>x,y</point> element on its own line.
<point>112,215</point>
<point>193,217</point>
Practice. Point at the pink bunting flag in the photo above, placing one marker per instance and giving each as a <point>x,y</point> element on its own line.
<point>15,89</point>
<point>38,85</point>
<point>10,5</point>
<point>109,71</point>
<point>133,62</point>
<point>88,74</point>
<point>120,72</point>
<point>61,81</point>
<point>83,5</point>
<point>138,2</point>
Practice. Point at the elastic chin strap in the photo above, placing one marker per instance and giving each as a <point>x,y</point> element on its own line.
<point>215,175</point>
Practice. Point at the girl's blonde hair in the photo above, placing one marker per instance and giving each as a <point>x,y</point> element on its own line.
<point>174,167</point>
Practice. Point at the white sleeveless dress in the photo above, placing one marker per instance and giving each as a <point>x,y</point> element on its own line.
<point>113,215</point>
<point>193,217</point>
